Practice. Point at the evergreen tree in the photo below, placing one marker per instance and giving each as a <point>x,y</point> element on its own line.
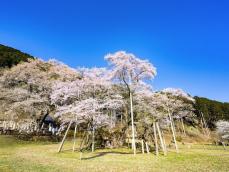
<point>10,56</point>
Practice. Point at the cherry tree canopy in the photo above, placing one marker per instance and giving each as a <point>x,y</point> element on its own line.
<point>175,100</point>
<point>223,129</point>
<point>26,87</point>
<point>129,69</point>
<point>86,99</point>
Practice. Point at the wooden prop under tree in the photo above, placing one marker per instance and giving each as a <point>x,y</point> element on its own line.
<point>147,147</point>
<point>85,138</point>
<point>155,138</point>
<point>74,142</point>
<point>164,141</point>
<point>161,139</point>
<point>132,124</point>
<point>143,151</point>
<point>65,135</point>
<point>173,131</point>
<point>82,143</point>
<point>93,139</point>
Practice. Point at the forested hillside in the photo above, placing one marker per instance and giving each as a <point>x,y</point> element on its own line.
<point>10,56</point>
<point>212,110</point>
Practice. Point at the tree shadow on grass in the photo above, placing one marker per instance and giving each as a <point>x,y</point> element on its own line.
<point>100,154</point>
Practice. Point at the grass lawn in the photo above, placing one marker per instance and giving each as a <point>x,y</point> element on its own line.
<point>20,156</point>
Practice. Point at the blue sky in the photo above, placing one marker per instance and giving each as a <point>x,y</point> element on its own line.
<point>187,40</point>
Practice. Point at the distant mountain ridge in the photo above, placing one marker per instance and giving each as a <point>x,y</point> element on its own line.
<point>10,56</point>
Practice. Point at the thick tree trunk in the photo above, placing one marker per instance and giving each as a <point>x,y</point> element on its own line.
<point>63,140</point>
<point>128,140</point>
<point>174,125</point>
<point>161,140</point>
<point>74,144</point>
<point>87,139</point>
<point>132,124</point>
<point>173,132</point>
<point>179,128</point>
<point>126,114</point>
<point>143,151</point>
<point>182,122</point>
<point>42,126</point>
<point>155,138</point>
<point>110,117</point>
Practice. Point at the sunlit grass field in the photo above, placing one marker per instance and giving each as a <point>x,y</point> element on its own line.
<point>20,156</point>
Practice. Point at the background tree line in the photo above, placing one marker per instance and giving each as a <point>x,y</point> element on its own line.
<point>212,110</point>
<point>10,56</point>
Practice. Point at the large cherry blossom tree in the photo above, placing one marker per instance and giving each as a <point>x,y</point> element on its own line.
<point>87,99</point>
<point>129,70</point>
<point>173,101</point>
<point>26,88</point>
<point>87,96</point>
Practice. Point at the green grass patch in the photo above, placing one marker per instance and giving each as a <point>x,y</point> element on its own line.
<point>20,156</point>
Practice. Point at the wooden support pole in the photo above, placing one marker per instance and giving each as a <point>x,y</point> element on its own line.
<point>93,139</point>
<point>63,140</point>
<point>143,151</point>
<point>161,140</point>
<point>81,145</point>
<point>155,138</point>
<point>163,137</point>
<point>74,144</point>
<point>132,123</point>
<point>81,154</point>
<point>224,146</point>
<point>147,148</point>
<point>173,132</point>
